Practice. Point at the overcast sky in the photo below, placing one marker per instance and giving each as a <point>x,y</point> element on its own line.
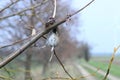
<point>100,24</point>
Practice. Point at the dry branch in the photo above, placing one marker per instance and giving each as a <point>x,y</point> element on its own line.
<point>110,63</point>
<point>62,65</point>
<point>54,11</point>
<point>36,37</point>
<point>16,42</point>
<point>18,13</point>
<point>8,6</point>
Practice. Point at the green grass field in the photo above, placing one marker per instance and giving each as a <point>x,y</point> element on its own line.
<point>95,74</point>
<point>102,62</point>
<point>55,69</point>
<point>103,66</point>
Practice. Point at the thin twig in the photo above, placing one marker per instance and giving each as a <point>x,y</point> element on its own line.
<point>25,23</point>
<point>62,65</point>
<point>32,41</point>
<point>16,42</point>
<point>54,11</point>
<point>9,5</point>
<point>17,13</point>
<point>82,8</point>
<point>111,61</point>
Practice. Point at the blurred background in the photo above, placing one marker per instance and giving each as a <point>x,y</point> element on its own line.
<point>86,44</point>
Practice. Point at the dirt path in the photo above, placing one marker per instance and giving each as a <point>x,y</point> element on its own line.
<point>85,73</point>
<point>110,77</point>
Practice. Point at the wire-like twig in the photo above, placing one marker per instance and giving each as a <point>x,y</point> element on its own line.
<point>25,23</point>
<point>17,13</point>
<point>62,65</point>
<point>33,40</point>
<point>16,42</point>
<point>111,61</point>
<point>9,5</point>
<point>81,8</point>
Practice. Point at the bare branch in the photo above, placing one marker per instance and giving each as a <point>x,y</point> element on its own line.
<point>111,61</point>
<point>34,39</point>
<point>9,5</point>
<point>16,42</point>
<point>82,8</point>
<point>26,25</point>
<point>62,65</point>
<point>54,11</point>
<point>17,13</point>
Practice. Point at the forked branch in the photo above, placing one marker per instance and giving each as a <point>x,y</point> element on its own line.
<point>9,5</point>
<point>26,9</point>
